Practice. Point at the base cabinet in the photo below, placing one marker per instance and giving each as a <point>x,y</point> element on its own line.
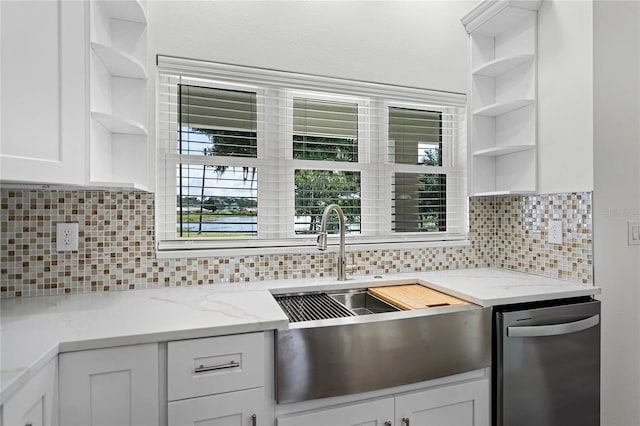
<point>463,404</point>
<point>113,386</point>
<point>36,403</point>
<point>371,413</point>
<point>242,408</point>
<point>221,381</point>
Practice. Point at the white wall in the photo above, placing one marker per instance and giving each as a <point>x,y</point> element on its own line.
<point>419,44</point>
<point>565,96</point>
<point>617,200</point>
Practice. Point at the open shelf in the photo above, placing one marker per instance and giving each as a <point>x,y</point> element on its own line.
<point>118,62</point>
<point>119,148</point>
<point>502,97</point>
<point>502,65</point>
<point>127,10</point>
<point>502,150</point>
<point>500,108</point>
<point>117,124</point>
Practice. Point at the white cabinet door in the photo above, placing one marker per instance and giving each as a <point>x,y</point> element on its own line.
<point>370,413</point>
<point>110,387</point>
<point>42,83</point>
<point>242,408</point>
<point>465,404</point>
<point>36,403</point>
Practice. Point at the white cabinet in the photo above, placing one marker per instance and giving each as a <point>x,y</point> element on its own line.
<point>113,386</point>
<point>36,403</point>
<point>119,154</point>
<point>241,408</point>
<point>75,94</point>
<point>502,107</point>
<point>221,381</point>
<point>461,404</point>
<point>43,111</point>
<point>214,365</point>
<point>465,404</point>
<point>377,412</point>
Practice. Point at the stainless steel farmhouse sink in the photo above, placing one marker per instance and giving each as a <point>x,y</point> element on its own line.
<point>349,341</point>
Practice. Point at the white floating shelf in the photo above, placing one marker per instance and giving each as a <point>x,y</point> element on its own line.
<point>502,65</point>
<point>505,192</point>
<point>502,150</point>
<point>127,10</point>
<point>503,107</point>
<point>118,62</point>
<point>117,124</point>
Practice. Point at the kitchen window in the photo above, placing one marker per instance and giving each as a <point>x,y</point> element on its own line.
<point>249,159</point>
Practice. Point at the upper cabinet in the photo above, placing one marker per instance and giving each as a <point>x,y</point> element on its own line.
<point>43,113</point>
<point>502,107</point>
<point>75,94</point>
<point>119,154</point>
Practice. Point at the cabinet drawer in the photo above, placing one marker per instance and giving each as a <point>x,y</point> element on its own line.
<point>214,365</point>
<point>243,408</point>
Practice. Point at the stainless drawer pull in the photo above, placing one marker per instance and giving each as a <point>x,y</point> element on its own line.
<point>555,329</point>
<point>203,369</point>
<point>405,421</point>
<point>254,420</point>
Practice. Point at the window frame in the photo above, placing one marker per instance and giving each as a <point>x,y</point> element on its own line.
<point>292,164</point>
<point>173,157</point>
<point>373,165</point>
<point>447,143</point>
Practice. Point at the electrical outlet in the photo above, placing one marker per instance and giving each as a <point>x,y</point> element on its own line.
<point>555,232</point>
<point>634,233</point>
<point>66,236</point>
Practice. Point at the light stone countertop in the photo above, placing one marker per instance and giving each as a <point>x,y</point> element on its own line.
<point>34,330</point>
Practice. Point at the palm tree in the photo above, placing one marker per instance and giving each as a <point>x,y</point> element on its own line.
<point>225,143</point>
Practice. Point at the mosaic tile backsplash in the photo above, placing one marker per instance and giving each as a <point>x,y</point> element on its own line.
<point>116,247</point>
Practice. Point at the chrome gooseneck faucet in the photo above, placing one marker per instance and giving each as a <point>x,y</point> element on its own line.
<point>322,239</point>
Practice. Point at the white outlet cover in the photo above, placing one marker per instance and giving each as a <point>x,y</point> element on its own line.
<point>67,236</point>
<point>555,232</point>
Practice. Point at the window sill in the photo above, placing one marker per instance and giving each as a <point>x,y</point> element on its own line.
<point>305,249</point>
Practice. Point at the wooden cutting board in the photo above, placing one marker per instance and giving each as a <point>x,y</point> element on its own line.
<point>414,296</point>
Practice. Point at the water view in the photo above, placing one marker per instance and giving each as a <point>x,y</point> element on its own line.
<point>223,224</point>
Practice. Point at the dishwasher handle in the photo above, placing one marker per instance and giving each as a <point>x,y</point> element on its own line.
<point>554,329</point>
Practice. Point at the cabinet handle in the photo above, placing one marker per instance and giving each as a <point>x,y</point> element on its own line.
<point>203,369</point>
<point>387,423</point>
<point>254,420</point>
<point>28,424</point>
<point>554,329</point>
<point>405,421</point>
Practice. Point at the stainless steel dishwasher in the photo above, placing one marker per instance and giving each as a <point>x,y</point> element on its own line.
<point>547,364</point>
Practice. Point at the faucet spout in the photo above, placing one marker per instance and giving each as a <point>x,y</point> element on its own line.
<point>322,238</point>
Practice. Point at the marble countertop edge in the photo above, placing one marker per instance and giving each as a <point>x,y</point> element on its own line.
<point>167,336</point>
<point>16,378</point>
